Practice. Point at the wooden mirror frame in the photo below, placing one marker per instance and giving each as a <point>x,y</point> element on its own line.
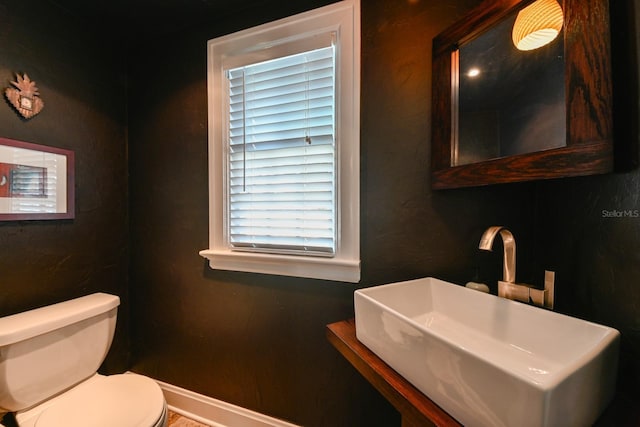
<point>589,100</point>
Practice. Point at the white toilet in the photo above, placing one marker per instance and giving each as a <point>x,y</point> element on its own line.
<point>49,359</point>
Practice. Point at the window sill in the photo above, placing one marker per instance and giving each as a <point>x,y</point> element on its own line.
<point>342,270</point>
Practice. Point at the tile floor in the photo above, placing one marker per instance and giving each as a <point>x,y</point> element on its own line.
<point>177,420</point>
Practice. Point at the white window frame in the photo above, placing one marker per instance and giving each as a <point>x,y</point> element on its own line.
<point>262,43</point>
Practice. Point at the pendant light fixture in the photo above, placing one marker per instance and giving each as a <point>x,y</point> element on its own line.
<point>537,24</point>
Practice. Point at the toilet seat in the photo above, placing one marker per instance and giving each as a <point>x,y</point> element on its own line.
<point>125,400</point>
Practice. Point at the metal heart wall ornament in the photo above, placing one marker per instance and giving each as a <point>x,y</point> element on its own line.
<point>25,97</point>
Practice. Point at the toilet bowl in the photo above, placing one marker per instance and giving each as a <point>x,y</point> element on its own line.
<point>102,401</point>
<point>49,359</point>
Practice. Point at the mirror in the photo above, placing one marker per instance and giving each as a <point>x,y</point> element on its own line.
<point>509,101</point>
<point>502,114</point>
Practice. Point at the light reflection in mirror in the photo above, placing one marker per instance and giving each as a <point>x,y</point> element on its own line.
<point>473,72</point>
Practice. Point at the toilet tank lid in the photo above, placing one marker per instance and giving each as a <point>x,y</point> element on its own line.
<point>21,326</point>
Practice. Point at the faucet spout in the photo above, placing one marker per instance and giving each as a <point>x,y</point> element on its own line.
<point>509,245</point>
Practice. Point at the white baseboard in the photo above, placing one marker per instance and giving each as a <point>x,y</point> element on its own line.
<point>213,412</point>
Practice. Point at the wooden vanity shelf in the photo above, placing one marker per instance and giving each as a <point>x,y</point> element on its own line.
<point>416,409</point>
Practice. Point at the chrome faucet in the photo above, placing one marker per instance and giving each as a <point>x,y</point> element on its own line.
<point>507,287</point>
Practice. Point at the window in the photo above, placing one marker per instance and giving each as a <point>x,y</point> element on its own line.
<point>284,146</point>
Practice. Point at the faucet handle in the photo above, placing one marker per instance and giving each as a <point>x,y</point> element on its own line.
<point>538,296</point>
<point>549,285</point>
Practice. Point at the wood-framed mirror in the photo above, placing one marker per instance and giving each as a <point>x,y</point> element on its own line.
<point>474,138</point>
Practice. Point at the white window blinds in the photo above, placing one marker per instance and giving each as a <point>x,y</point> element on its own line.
<point>281,165</point>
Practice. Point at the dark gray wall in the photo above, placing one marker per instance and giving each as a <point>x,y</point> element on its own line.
<point>81,81</point>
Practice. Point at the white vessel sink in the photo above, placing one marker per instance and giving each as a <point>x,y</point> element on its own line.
<point>489,361</point>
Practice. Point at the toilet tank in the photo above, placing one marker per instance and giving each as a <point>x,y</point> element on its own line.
<point>50,349</point>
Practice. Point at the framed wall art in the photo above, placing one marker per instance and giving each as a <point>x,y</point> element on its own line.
<point>36,182</point>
